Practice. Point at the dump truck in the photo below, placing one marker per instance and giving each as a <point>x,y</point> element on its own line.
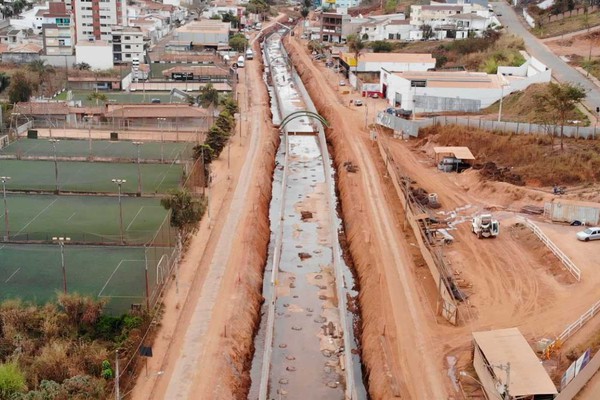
<point>485,226</point>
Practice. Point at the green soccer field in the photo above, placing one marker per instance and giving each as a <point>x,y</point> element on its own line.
<point>88,219</point>
<point>90,177</point>
<point>117,274</point>
<point>167,151</point>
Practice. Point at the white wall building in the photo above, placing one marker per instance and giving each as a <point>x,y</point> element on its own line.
<point>454,21</point>
<point>98,54</point>
<point>392,62</point>
<point>387,27</point>
<point>435,91</point>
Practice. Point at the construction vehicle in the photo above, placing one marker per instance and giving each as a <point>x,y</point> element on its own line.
<point>484,225</point>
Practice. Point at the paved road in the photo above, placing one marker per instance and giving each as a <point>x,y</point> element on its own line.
<point>560,69</point>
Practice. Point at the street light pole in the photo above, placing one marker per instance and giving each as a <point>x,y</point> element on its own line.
<point>54,141</point>
<point>138,145</point>
<point>90,136</point>
<point>162,140</point>
<point>61,242</point>
<point>5,179</point>
<point>119,183</point>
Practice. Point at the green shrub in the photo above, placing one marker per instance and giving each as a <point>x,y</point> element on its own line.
<point>12,380</point>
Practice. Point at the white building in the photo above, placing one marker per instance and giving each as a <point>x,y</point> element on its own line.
<point>436,91</point>
<point>93,21</point>
<point>454,21</point>
<point>205,32</point>
<point>98,54</point>
<point>128,43</point>
<point>222,10</point>
<point>392,62</point>
<point>386,27</point>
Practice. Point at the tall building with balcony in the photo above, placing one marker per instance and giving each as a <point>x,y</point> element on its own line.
<point>58,30</point>
<point>128,44</point>
<point>94,18</point>
<point>335,27</point>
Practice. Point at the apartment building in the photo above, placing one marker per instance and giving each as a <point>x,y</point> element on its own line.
<point>94,18</point>
<point>335,27</point>
<point>128,43</point>
<point>58,30</point>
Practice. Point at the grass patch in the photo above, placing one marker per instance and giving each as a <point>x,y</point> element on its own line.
<point>534,158</point>
<point>520,107</point>
<point>483,54</point>
<point>566,25</point>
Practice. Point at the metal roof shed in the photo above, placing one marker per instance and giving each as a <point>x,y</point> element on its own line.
<point>505,353</point>
<point>462,153</point>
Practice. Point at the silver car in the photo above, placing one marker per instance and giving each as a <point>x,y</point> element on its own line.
<point>589,234</point>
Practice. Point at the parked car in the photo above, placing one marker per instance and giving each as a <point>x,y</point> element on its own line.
<point>342,83</point>
<point>155,101</point>
<point>589,234</point>
<point>358,103</point>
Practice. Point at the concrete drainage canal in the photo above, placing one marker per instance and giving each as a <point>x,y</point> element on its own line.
<point>306,346</point>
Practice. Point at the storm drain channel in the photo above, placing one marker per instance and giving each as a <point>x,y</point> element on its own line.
<point>305,347</point>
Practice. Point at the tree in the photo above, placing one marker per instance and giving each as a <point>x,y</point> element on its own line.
<point>238,42</point>
<point>12,380</point>
<point>225,122</point>
<point>356,46</point>
<point>230,105</point>
<point>186,211</point>
<point>560,100</point>
<point>42,70</point>
<point>381,46</point>
<point>98,97</point>
<point>428,32</point>
<point>258,7</point>
<point>4,81</point>
<point>82,66</point>
<point>20,88</point>
<point>304,12</point>
<point>209,96</point>
<point>232,19</point>
<point>390,6</point>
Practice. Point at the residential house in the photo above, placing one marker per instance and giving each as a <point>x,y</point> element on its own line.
<point>335,27</point>
<point>387,27</point>
<point>175,115</point>
<point>12,36</point>
<point>58,30</point>
<point>451,20</point>
<point>127,44</point>
<point>22,53</point>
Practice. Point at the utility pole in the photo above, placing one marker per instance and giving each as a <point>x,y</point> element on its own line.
<point>61,242</point>
<point>90,136</point>
<point>119,183</point>
<point>501,99</point>
<point>54,141</point>
<point>5,179</point>
<point>139,190</point>
<point>146,277</point>
<point>117,388</point>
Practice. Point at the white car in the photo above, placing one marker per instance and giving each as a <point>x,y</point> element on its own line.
<point>342,83</point>
<point>589,234</point>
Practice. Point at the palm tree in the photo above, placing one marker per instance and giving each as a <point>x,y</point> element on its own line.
<point>356,46</point>
<point>98,97</point>
<point>42,70</point>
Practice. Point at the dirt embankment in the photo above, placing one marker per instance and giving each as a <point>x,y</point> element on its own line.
<point>356,226</point>
<point>236,343</point>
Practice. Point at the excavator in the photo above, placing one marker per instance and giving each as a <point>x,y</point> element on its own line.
<point>485,226</point>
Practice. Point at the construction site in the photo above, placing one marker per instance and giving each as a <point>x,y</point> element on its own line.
<point>342,259</point>
<point>431,263</point>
